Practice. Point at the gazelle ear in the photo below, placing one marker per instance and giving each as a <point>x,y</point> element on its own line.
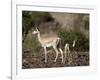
<point>37,29</point>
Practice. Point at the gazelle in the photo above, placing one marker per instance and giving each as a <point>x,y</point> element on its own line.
<point>45,42</point>
<point>66,48</point>
<point>67,51</point>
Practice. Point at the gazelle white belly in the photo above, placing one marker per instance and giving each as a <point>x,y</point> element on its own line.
<point>48,45</point>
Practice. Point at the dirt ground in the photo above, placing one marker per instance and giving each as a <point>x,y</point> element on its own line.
<point>37,60</point>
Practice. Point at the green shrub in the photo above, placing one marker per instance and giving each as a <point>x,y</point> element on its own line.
<point>82,43</point>
<point>31,43</point>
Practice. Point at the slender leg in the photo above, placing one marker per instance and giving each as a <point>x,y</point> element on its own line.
<point>68,51</point>
<point>69,57</point>
<point>65,52</point>
<point>56,53</point>
<point>45,54</point>
<point>61,54</point>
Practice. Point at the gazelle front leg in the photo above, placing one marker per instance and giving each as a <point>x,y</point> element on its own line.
<point>45,54</point>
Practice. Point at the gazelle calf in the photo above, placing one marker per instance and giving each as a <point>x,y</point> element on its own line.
<point>66,48</point>
<point>45,42</point>
<point>67,51</point>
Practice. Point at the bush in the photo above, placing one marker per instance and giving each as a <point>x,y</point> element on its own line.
<point>31,44</point>
<point>82,43</point>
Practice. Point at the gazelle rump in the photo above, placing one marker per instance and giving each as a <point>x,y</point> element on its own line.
<point>45,42</point>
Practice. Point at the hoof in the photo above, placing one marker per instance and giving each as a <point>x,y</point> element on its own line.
<point>45,61</point>
<point>54,60</point>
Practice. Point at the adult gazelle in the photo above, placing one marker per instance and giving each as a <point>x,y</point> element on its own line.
<point>51,41</point>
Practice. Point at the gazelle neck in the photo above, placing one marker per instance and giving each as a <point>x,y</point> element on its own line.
<point>39,37</point>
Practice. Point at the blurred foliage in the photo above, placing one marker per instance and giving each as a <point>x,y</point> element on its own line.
<point>82,21</point>
<point>31,18</point>
<point>82,43</point>
<point>31,43</point>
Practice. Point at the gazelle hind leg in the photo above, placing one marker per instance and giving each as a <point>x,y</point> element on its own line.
<point>56,53</point>
<point>68,51</point>
<point>65,52</point>
<point>61,54</point>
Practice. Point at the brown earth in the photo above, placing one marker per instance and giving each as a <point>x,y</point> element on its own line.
<point>37,60</point>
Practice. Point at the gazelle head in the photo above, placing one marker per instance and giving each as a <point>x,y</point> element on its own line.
<point>35,31</point>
